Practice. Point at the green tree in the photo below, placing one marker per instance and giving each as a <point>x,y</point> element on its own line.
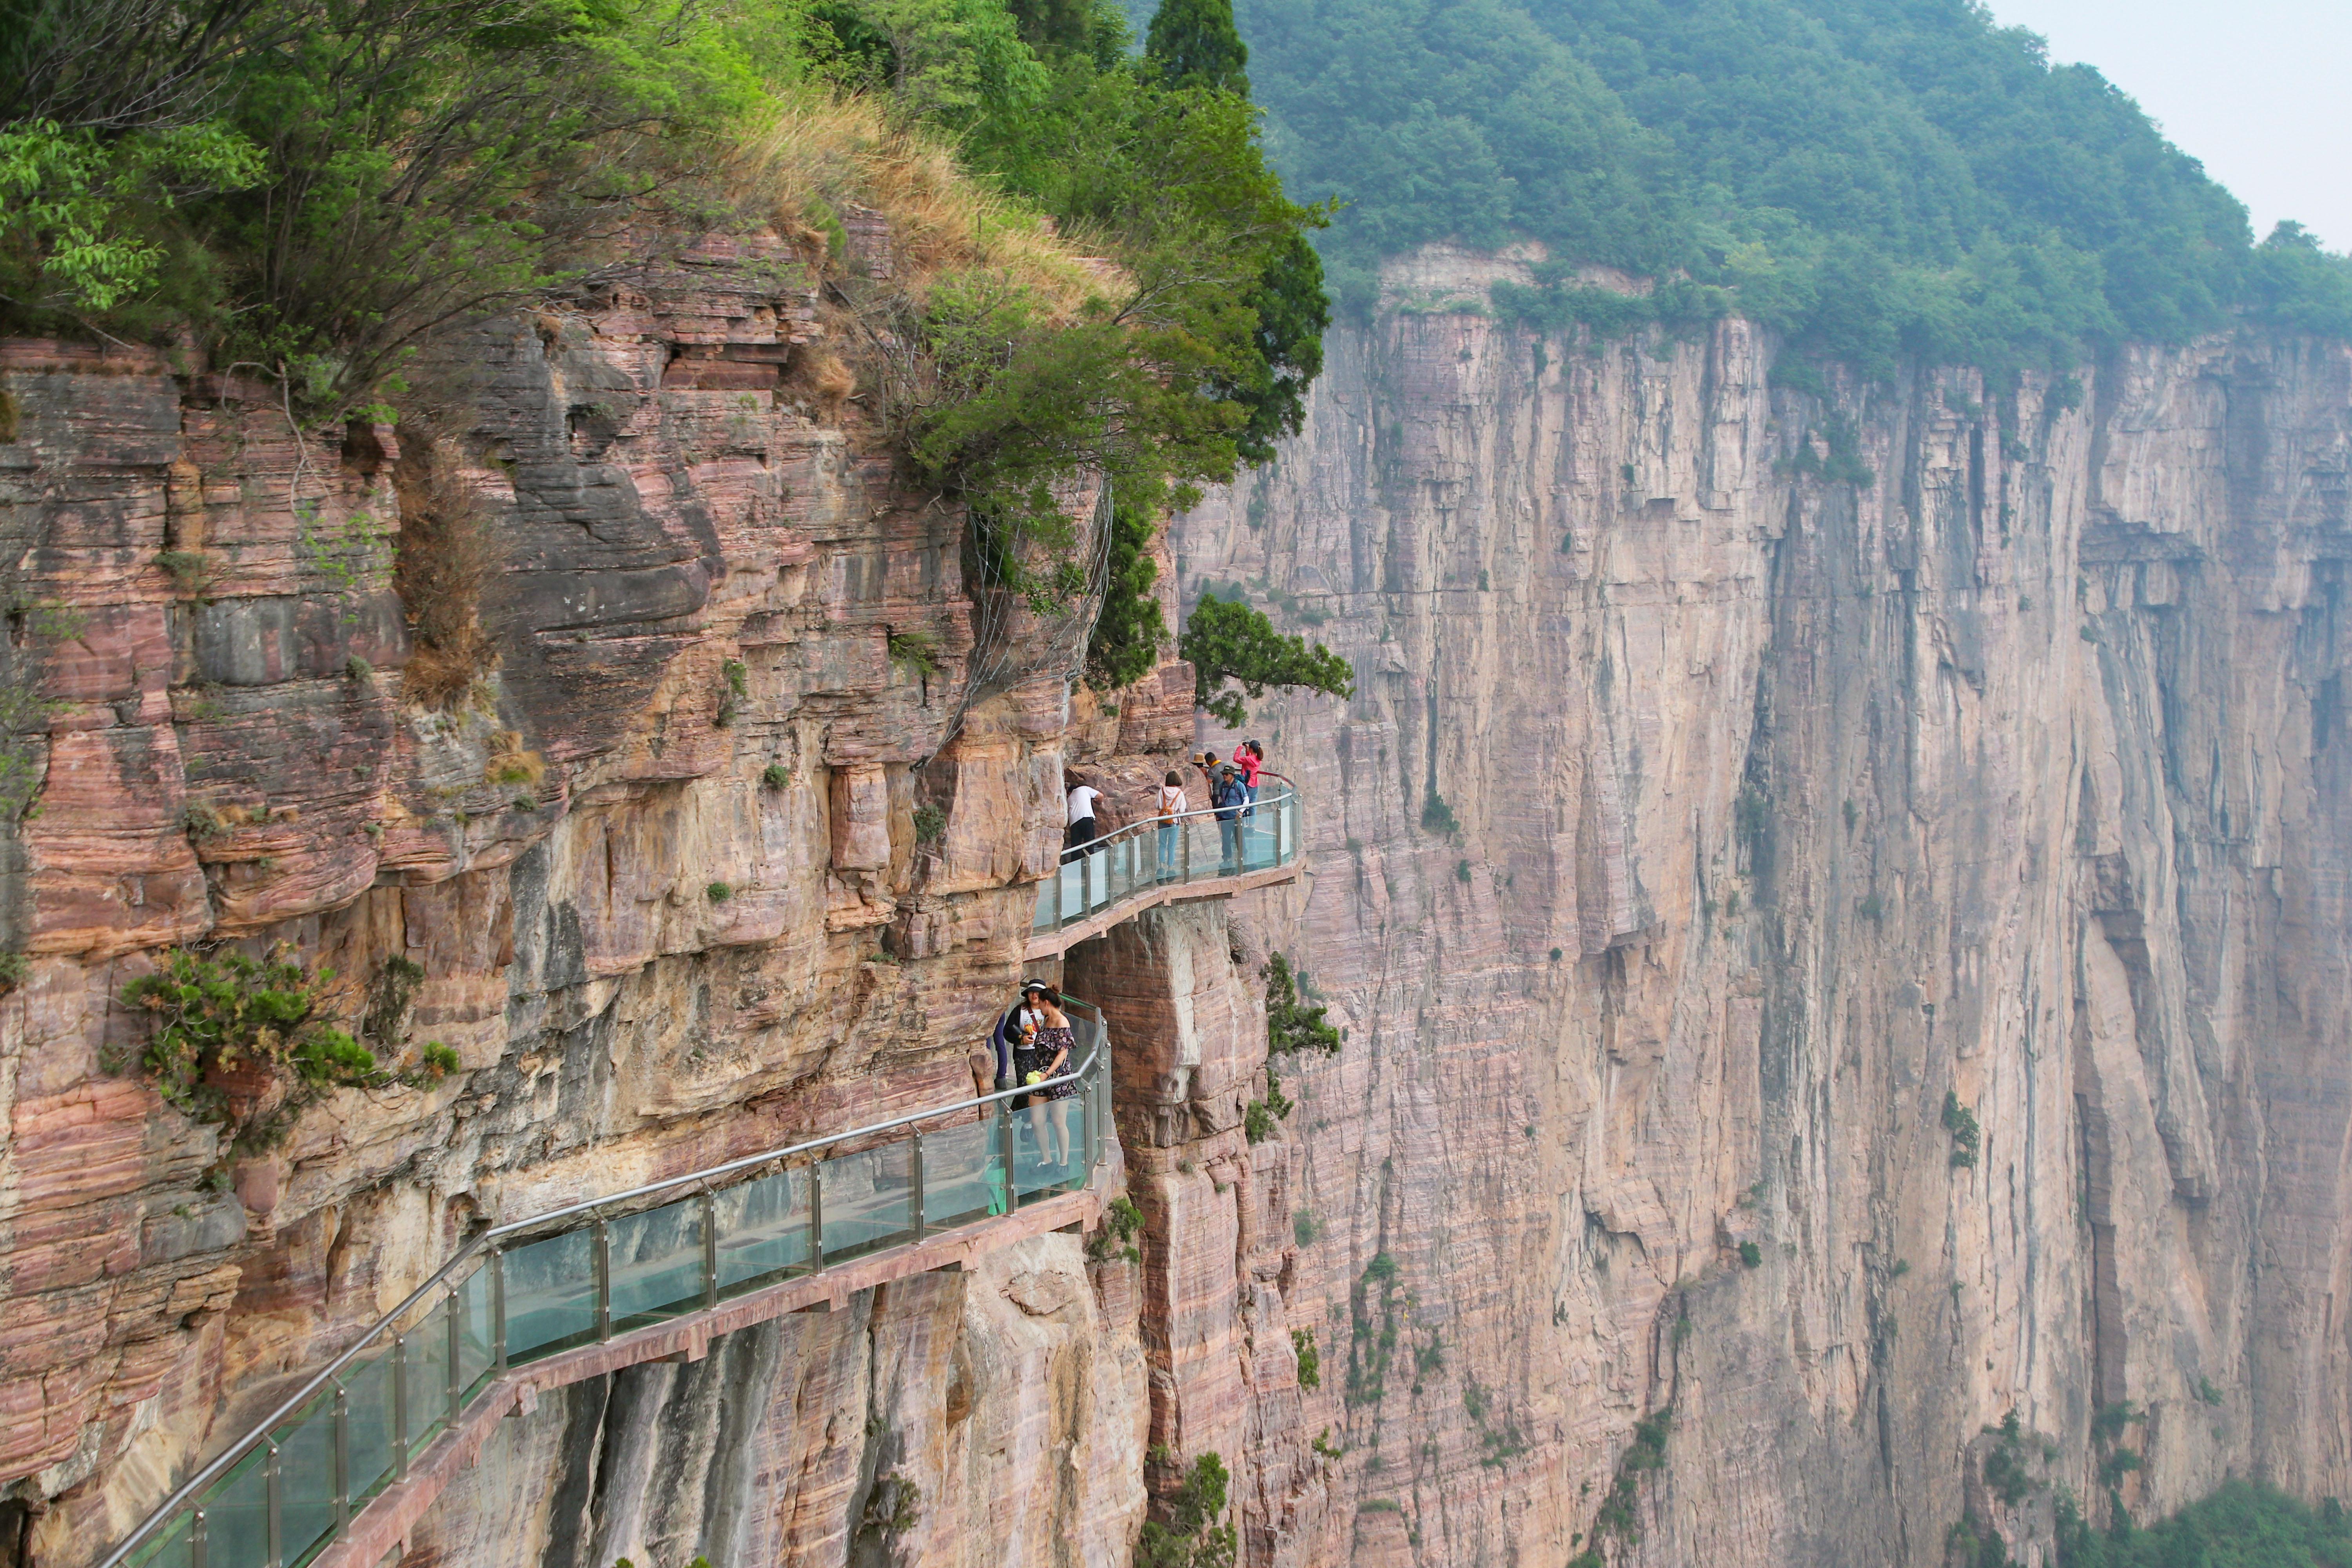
<point>1192,1537</point>
<point>1226,640</point>
<point>1124,646</point>
<point>1195,44</point>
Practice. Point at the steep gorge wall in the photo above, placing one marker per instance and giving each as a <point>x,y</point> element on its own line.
<point>1702,819</point>
<point>660,870</point>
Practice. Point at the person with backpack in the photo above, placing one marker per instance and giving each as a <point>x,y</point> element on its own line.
<point>1173,805</point>
<point>1228,797</point>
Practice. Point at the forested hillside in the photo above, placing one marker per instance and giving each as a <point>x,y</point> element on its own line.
<point>1873,176</point>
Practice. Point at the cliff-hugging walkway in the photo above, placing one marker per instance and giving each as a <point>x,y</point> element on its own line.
<point>341,1470</point>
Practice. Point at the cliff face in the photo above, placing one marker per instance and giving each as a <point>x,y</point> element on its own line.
<point>1925,998</point>
<point>1840,911</point>
<point>653,871</point>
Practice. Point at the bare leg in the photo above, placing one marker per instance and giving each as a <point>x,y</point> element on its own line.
<point>1061,1125</point>
<point>1037,1125</point>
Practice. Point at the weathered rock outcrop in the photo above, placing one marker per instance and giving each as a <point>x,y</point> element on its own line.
<point>660,869</point>
<point>1837,904</point>
<point>1839,909</point>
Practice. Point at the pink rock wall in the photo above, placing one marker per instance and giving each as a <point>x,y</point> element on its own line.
<point>697,578</point>
<point>1700,823</point>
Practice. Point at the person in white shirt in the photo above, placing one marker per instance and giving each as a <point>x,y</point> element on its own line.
<point>1081,814</point>
<point>1171,807</point>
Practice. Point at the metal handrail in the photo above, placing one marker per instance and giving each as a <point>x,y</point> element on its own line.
<point>1110,868</point>
<point>1289,791</point>
<point>710,1178</point>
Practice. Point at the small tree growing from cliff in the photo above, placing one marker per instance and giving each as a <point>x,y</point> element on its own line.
<point>1192,1537</point>
<point>241,1043</point>
<point>1290,1024</point>
<point>1228,641</point>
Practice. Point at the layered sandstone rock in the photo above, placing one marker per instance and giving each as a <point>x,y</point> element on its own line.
<point>658,865</point>
<point>1710,810</point>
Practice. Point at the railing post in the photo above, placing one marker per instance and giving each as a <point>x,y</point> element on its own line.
<point>1282,829</point>
<point>343,1460</point>
<point>199,1548</point>
<point>274,1513</point>
<point>399,1404</point>
<point>915,1184</point>
<point>603,1246</point>
<point>455,1369</point>
<point>1185,848</point>
<point>1058,889</point>
<point>1102,1097</point>
<point>710,1207</point>
<point>498,1307</point>
<point>817,1219</point>
<point>1004,1151</point>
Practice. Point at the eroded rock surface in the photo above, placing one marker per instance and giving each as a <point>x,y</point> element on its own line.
<point>1732,777</point>
<point>658,864</point>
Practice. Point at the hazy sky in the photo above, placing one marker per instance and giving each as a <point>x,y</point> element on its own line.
<point>2261,90</point>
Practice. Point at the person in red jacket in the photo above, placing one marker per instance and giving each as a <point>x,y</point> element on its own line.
<point>1249,757</point>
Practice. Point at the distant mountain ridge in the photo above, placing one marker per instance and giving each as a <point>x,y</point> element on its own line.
<point>1873,177</point>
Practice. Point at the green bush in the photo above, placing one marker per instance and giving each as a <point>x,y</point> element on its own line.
<point>2240,1525</point>
<point>1291,1025</point>
<point>930,824</point>
<point>1116,1236</point>
<point>242,1044</point>
<point>1436,816</point>
<point>1967,1138</point>
<point>1191,1535</point>
<point>1751,1255</point>
<point>1310,1360</point>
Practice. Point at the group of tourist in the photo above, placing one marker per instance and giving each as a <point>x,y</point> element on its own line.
<point>1231,794</point>
<point>1035,1045</point>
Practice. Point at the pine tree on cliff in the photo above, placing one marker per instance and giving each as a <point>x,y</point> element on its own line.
<point>1195,44</point>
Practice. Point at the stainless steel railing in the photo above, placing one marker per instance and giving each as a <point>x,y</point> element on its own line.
<point>1195,846</point>
<point>530,1288</point>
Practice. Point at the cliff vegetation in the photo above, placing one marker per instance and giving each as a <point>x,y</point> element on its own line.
<point>1872,178</point>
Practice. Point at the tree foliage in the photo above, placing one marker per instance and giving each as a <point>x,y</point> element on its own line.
<point>246,1044</point>
<point>1226,640</point>
<point>1292,1025</point>
<point>1195,44</point>
<point>1874,177</point>
<point>1192,1536</point>
<point>1129,633</point>
<point>2241,1525</point>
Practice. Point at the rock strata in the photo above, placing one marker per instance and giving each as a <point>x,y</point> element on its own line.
<point>1836,901</point>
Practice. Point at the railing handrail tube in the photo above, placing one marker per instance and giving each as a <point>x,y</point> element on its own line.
<point>1289,788</point>
<point>163,1512</point>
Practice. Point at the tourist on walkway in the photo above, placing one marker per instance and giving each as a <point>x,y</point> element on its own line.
<point>1249,756</point>
<point>1228,797</point>
<point>1171,807</point>
<point>1045,1049</point>
<point>1080,815</point>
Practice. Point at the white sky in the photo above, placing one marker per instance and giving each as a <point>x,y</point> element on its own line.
<point>2260,90</point>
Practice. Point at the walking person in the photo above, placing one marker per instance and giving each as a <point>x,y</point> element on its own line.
<point>1079,814</point>
<point>1228,797</point>
<point>1171,807</point>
